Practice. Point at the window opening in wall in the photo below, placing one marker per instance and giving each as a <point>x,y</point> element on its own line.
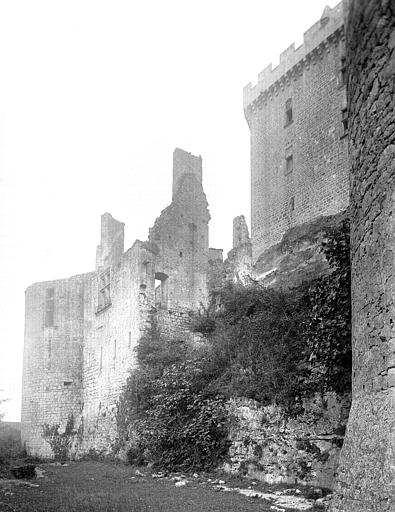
<point>144,275</point>
<point>101,360</point>
<point>67,383</point>
<point>343,72</point>
<point>104,297</point>
<point>49,307</point>
<point>288,112</point>
<point>161,290</point>
<point>115,351</point>
<point>130,339</point>
<point>344,122</point>
<point>292,204</point>
<point>49,354</point>
<point>289,164</point>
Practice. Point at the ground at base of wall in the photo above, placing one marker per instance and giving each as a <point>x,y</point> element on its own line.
<point>100,486</point>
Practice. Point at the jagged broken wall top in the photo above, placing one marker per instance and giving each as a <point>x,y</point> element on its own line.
<point>181,235</point>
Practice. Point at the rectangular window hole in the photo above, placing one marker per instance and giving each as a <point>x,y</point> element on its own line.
<point>288,112</point>
<point>67,383</point>
<point>289,164</point>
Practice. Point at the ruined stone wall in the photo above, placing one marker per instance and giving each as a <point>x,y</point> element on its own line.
<point>181,235</point>
<point>268,445</point>
<point>111,241</point>
<point>81,332</point>
<point>185,163</point>
<point>110,340</point>
<point>366,480</point>
<point>238,265</point>
<point>299,167</point>
<point>52,362</point>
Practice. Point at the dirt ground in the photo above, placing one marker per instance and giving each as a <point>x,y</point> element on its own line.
<point>97,486</point>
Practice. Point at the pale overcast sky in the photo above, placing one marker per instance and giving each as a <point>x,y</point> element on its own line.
<point>94,97</point>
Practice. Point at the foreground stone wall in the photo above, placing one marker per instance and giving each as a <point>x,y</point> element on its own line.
<point>269,446</point>
<point>366,480</point>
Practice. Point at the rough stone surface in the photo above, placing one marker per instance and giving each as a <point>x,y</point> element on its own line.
<point>271,447</point>
<point>80,333</point>
<point>238,265</point>
<point>298,257</point>
<point>299,163</point>
<point>366,479</point>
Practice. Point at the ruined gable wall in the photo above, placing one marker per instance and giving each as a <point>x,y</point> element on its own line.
<point>110,340</point>
<point>316,181</point>
<point>52,361</point>
<point>366,476</point>
<point>111,245</point>
<point>181,235</point>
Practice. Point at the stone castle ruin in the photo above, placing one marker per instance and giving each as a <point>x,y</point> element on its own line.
<point>324,113</point>
<point>80,332</point>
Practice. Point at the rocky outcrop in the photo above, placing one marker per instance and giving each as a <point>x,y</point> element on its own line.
<point>269,445</point>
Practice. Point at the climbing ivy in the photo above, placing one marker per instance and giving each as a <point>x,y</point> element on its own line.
<point>60,442</point>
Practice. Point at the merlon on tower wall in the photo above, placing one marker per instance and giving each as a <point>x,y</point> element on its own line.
<point>298,121</point>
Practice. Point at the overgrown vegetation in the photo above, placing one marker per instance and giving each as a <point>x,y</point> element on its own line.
<point>60,441</point>
<point>177,422</point>
<point>327,328</point>
<point>269,345</point>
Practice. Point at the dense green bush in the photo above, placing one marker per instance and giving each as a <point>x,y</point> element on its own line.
<point>279,346</point>
<point>167,409</point>
<point>256,350</point>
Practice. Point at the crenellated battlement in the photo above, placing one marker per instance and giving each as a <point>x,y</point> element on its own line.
<point>315,40</point>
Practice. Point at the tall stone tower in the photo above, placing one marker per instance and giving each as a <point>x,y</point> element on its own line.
<point>366,475</point>
<point>52,361</point>
<point>297,115</point>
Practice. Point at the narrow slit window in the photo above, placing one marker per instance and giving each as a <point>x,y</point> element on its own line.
<point>292,204</point>
<point>289,164</point>
<point>288,112</point>
<point>49,362</point>
<point>344,122</point>
<point>49,307</point>
<point>130,339</point>
<point>343,72</point>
